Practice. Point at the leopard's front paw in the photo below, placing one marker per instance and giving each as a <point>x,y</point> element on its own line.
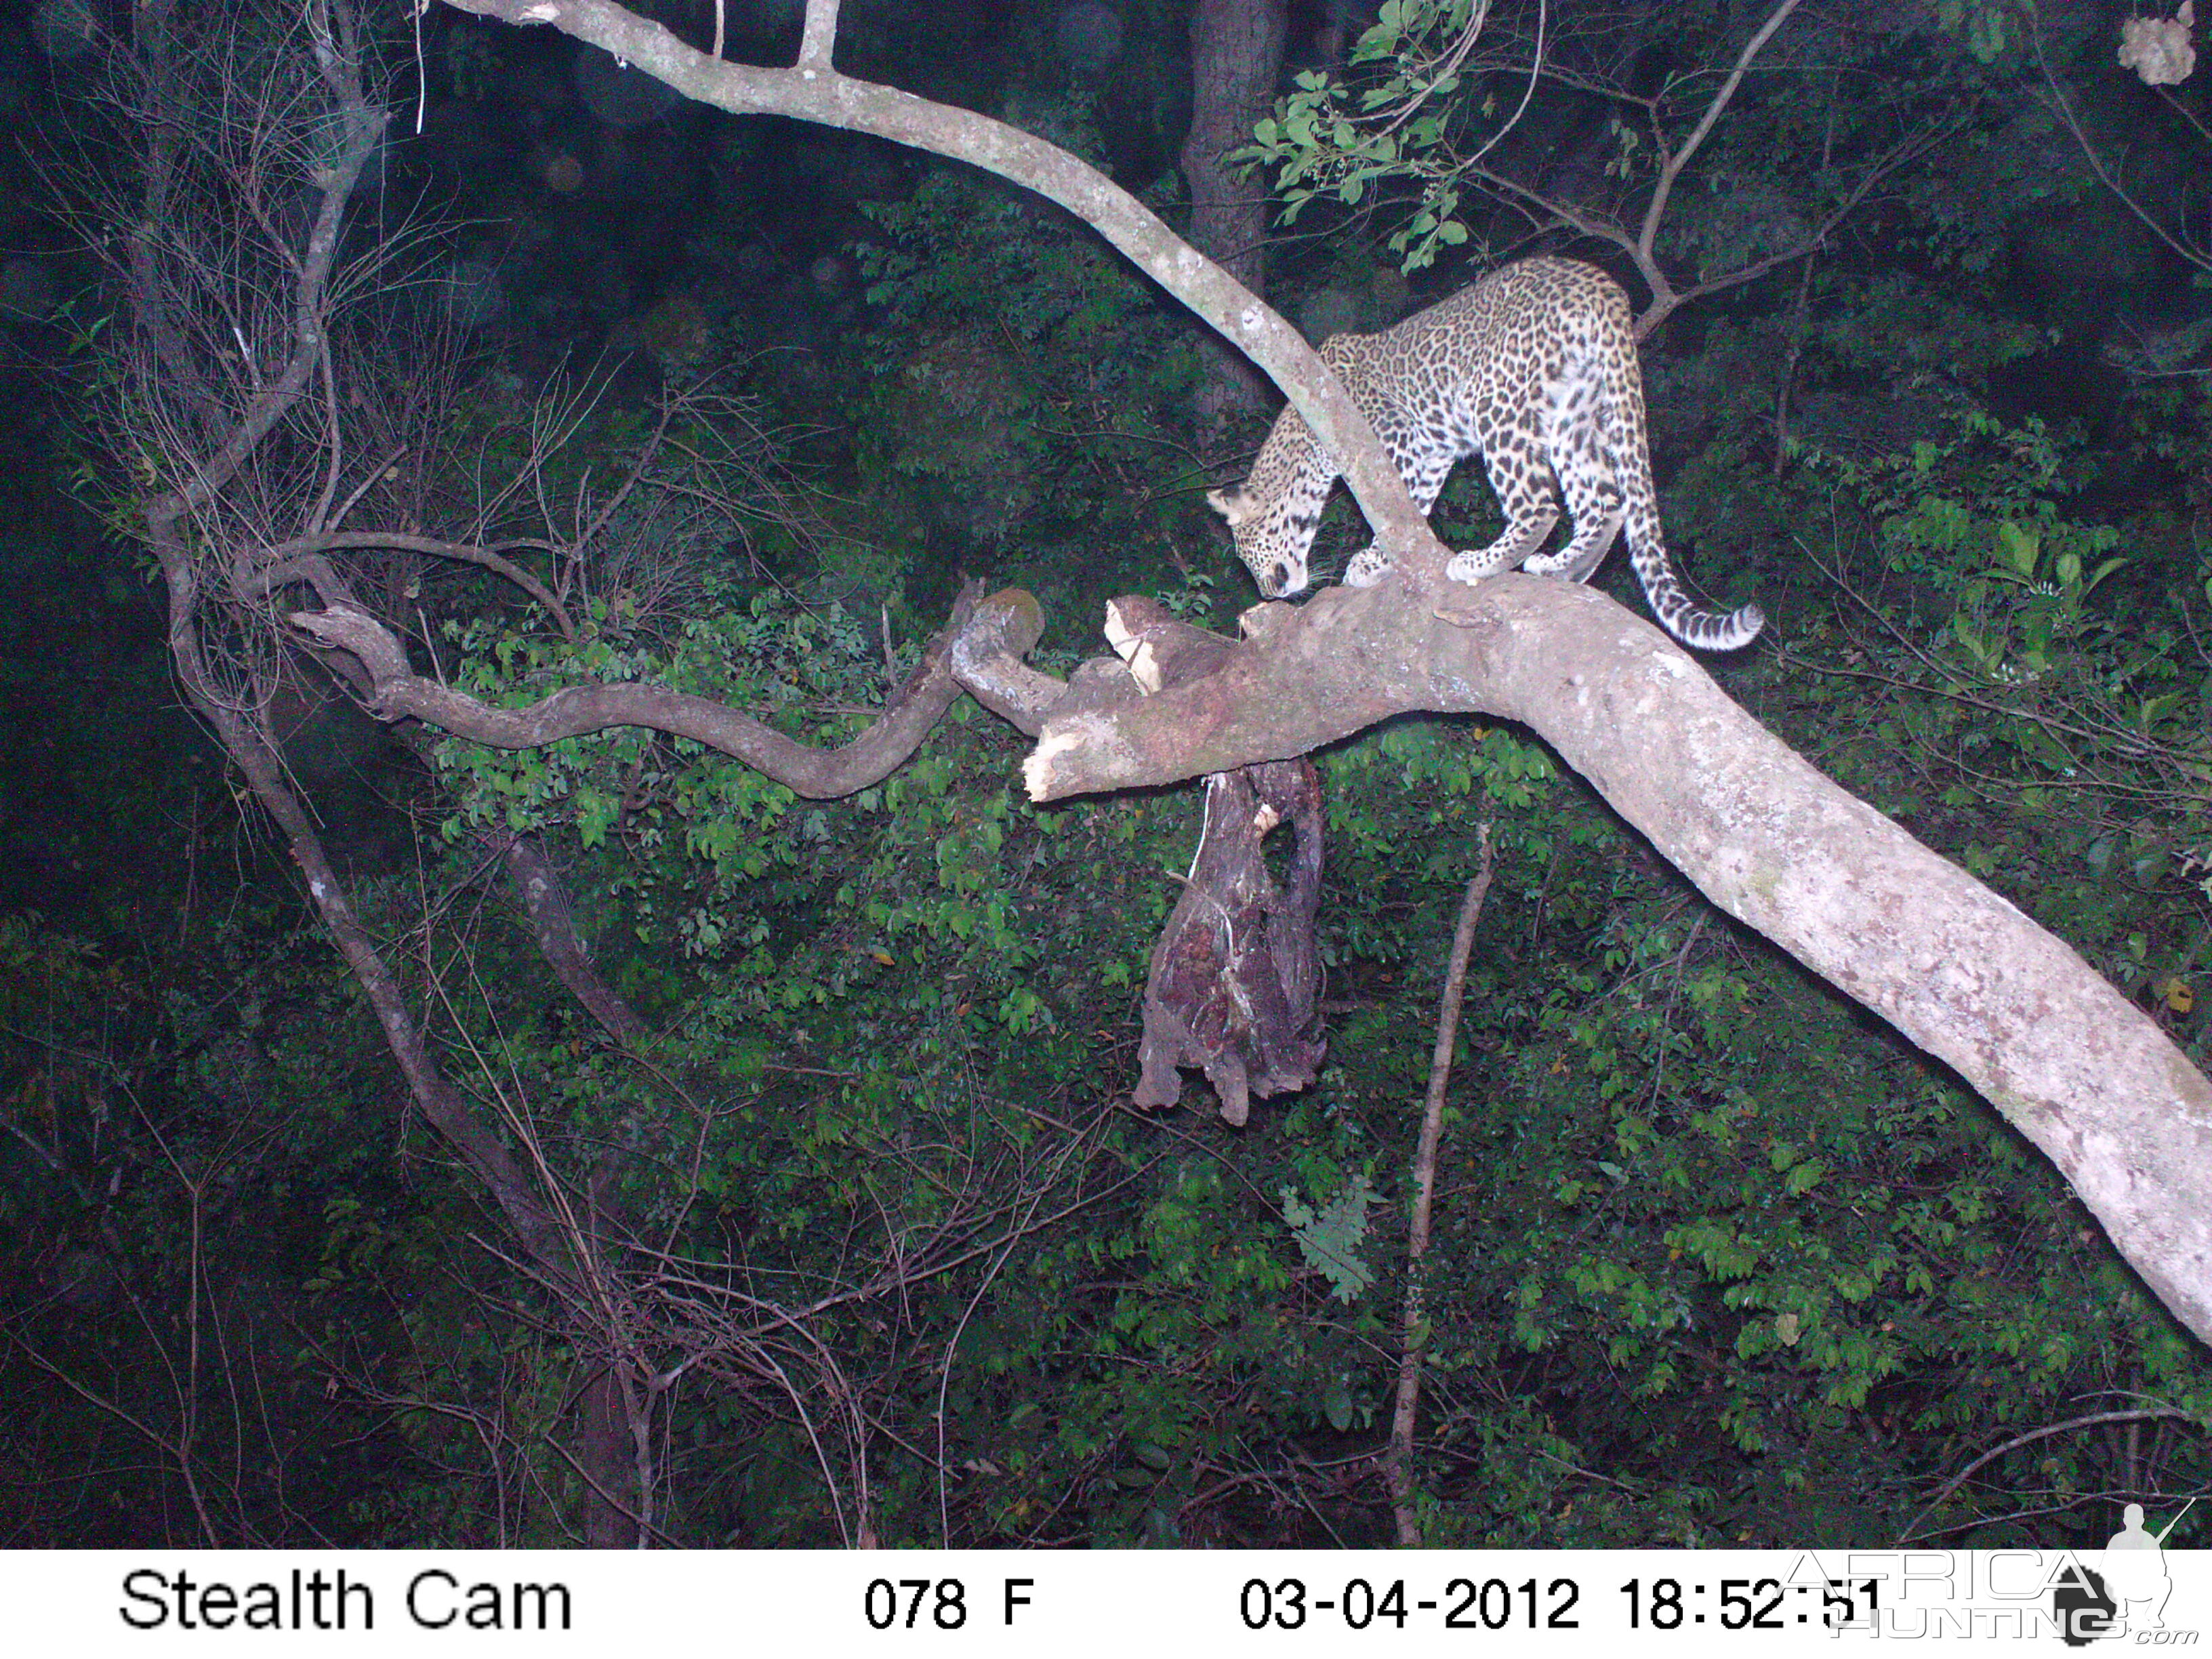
<point>1367,567</point>
<point>1472,567</point>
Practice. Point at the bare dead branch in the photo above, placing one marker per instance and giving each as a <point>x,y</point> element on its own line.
<point>2059,103</point>
<point>231,313</point>
<point>907,716</point>
<point>1413,1333</point>
<point>1547,211</point>
<point>2147,1414</point>
<point>274,567</point>
<point>1911,149</point>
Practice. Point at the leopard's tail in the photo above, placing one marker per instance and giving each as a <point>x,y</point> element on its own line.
<point>1620,405</point>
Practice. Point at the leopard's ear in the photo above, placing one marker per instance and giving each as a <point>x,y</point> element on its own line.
<point>1230,504</point>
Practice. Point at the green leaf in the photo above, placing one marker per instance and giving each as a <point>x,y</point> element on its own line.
<point>1336,1405</point>
<point>1329,1238</point>
<point>2103,571</point>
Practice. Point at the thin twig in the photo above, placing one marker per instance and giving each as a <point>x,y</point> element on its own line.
<point>1400,1458</point>
<point>1673,165</point>
<point>2058,102</point>
<point>2091,1420</point>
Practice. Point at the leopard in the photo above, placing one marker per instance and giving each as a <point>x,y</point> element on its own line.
<point>1534,368</point>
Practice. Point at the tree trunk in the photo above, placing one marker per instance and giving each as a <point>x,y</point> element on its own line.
<point>1235,60</point>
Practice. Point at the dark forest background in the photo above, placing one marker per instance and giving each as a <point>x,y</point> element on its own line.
<point>1718,1259</point>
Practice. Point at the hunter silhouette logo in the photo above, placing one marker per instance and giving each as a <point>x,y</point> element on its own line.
<point>2128,1598</point>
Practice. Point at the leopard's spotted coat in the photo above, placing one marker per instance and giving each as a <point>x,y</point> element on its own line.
<point>1534,368</point>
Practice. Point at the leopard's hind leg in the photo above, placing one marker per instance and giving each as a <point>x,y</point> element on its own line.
<point>1594,501</point>
<point>1513,456</point>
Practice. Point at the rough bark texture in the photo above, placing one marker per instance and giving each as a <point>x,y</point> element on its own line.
<point>1234,973</point>
<point>1235,59</point>
<point>986,659</point>
<point>1959,970</point>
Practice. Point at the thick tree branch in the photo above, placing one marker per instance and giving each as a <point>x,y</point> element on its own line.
<point>1639,241</point>
<point>812,91</point>
<point>1959,971</point>
<point>986,659</point>
<point>819,775</point>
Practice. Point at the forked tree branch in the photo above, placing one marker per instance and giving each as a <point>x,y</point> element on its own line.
<point>1666,298</point>
<point>2160,1412</point>
<point>1963,974</point>
<point>1671,166</point>
<point>1639,241</point>
<point>1959,971</point>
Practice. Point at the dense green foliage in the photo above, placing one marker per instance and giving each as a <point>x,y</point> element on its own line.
<point>1718,1260</point>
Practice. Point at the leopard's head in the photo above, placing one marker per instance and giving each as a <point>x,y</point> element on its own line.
<point>1266,541</point>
